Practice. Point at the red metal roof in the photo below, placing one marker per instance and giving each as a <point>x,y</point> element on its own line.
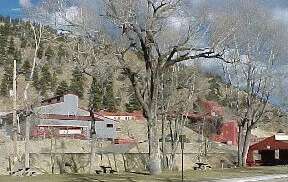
<point>68,117</point>
<point>105,113</point>
<point>271,143</point>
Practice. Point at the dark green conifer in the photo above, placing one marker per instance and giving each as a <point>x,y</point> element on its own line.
<point>133,103</point>
<point>95,95</point>
<point>26,69</point>
<point>62,88</point>
<point>49,53</point>
<point>77,82</point>
<point>7,80</point>
<point>109,101</point>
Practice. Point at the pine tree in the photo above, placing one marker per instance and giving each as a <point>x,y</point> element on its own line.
<point>109,101</point>
<point>61,52</point>
<point>49,53</point>
<point>11,47</point>
<point>36,80</point>
<point>3,44</point>
<point>7,80</point>
<point>40,51</point>
<point>24,43</point>
<point>45,80</point>
<point>17,56</point>
<point>26,69</point>
<point>214,89</point>
<point>62,88</point>
<point>133,103</point>
<point>95,95</point>
<point>77,82</point>
<point>54,81</point>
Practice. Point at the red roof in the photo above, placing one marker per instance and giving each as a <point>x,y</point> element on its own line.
<point>105,113</point>
<point>137,115</point>
<point>68,117</point>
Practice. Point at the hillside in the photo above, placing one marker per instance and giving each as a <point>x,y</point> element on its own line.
<point>58,71</point>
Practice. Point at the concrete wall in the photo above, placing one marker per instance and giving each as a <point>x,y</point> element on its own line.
<point>73,156</point>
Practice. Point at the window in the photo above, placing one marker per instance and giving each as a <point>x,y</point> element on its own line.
<point>109,125</point>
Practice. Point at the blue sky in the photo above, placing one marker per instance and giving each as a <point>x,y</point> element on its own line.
<point>11,7</point>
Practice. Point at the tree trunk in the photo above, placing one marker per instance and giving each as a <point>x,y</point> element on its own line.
<point>154,164</point>
<point>27,137</point>
<point>246,145</point>
<point>92,147</point>
<point>240,146</point>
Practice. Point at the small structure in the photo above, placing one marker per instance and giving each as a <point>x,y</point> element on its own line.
<point>270,151</point>
<point>61,117</point>
<point>228,133</point>
<point>123,116</point>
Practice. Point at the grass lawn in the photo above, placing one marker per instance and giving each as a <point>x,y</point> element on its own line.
<point>191,176</point>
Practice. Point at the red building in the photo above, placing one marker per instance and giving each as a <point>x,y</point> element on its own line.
<point>270,151</point>
<point>124,116</point>
<point>228,133</point>
<point>212,108</point>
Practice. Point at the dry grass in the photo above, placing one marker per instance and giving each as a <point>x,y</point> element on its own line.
<point>190,176</point>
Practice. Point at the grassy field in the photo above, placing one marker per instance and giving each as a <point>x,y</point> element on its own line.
<point>190,176</point>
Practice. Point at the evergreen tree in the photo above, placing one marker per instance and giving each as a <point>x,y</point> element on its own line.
<point>133,104</point>
<point>61,52</point>
<point>7,80</point>
<point>214,89</point>
<point>24,43</point>
<point>95,95</point>
<point>54,81</point>
<point>26,69</point>
<point>49,53</point>
<point>62,88</point>
<point>45,80</point>
<point>40,51</point>
<point>3,44</point>
<point>18,56</point>
<point>77,82</point>
<point>109,101</point>
<point>11,47</point>
<point>36,80</point>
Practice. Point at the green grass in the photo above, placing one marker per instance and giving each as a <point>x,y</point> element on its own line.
<point>190,176</point>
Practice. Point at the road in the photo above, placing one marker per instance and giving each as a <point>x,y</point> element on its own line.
<point>266,178</point>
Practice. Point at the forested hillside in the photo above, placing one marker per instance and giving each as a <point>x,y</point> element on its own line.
<point>57,72</point>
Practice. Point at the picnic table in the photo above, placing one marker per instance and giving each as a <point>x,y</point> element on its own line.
<point>201,166</point>
<point>105,169</point>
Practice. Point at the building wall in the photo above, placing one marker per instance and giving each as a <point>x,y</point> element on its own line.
<point>104,129</point>
<point>68,107</point>
<point>228,133</point>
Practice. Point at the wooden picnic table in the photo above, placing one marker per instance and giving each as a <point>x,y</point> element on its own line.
<point>201,166</point>
<point>104,168</point>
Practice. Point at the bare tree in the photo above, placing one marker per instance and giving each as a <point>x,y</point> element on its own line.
<point>160,33</point>
<point>253,77</point>
<point>145,39</point>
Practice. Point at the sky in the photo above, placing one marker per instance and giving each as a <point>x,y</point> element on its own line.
<point>13,7</point>
<point>279,8</point>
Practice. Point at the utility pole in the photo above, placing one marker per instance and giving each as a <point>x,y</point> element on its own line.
<point>14,112</point>
<point>182,138</point>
